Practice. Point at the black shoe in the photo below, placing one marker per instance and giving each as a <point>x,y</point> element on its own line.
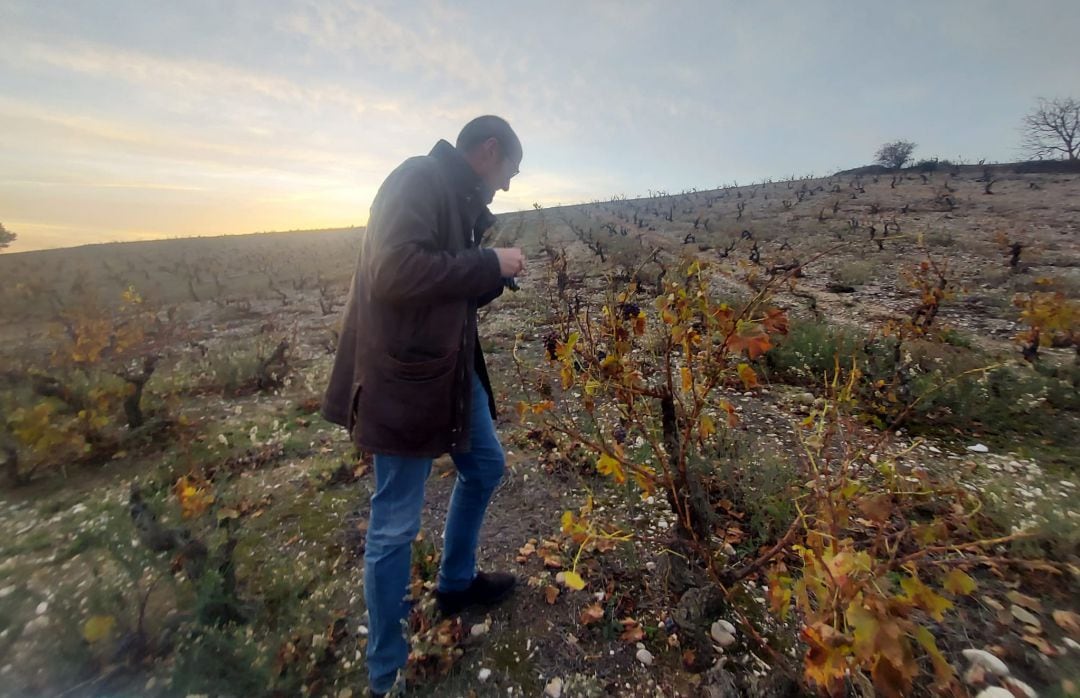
<point>487,589</point>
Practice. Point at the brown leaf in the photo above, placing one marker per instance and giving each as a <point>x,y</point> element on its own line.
<point>551,593</point>
<point>553,560</point>
<point>689,658</point>
<point>525,551</point>
<point>876,508</point>
<point>605,545</point>
<point>591,614</point>
<point>1069,622</point>
<point>1025,616</point>
<point>632,635</point>
<point>1032,604</point>
<point>1040,644</point>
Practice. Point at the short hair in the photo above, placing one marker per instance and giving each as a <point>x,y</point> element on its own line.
<point>482,128</point>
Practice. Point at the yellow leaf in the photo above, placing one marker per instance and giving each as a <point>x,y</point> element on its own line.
<point>607,465</point>
<point>925,597</point>
<point>865,630</point>
<point>687,379</point>
<point>942,669</point>
<point>958,582</point>
<point>98,628</point>
<point>567,375</point>
<point>644,477</point>
<point>573,580</point>
<point>747,376</point>
<point>707,427</point>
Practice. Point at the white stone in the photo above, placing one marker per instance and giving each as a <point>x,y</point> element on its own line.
<point>720,634</point>
<point>42,607</point>
<point>726,626</point>
<point>987,661</point>
<point>484,675</point>
<point>362,631</point>
<point>978,448</point>
<point>645,657</point>
<point>1072,644</point>
<point>995,692</point>
<point>554,688</point>
<point>6,590</point>
<point>478,629</point>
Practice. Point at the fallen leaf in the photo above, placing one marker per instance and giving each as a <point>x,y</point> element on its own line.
<point>591,614</point>
<point>633,633</point>
<point>1032,604</point>
<point>1040,644</point>
<point>227,513</point>
<point>551,593</point>
<point>1069,622</point>
<point>574,581</point>
<point>525,551</point>
<point>553,560</point>
<point>1025,616</point>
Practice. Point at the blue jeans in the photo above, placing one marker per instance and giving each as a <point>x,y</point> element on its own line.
<point>395,521</point>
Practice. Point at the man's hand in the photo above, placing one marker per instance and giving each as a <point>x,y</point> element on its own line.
<point>511,261</point>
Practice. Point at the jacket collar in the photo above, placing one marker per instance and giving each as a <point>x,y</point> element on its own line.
<point>468,185</point>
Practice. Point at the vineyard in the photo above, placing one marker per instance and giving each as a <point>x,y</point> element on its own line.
<point>814,436</point>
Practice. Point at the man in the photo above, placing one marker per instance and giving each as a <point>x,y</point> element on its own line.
<point>409,379</point>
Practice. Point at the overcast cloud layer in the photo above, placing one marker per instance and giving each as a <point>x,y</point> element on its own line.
<point>133,119</point>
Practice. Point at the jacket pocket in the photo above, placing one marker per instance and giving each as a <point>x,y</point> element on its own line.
<point>354,406</point>
<point>410,402</point>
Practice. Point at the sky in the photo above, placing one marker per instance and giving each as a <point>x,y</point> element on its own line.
<point>141,119</point>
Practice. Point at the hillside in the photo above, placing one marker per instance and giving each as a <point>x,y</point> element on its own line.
<point>876,410</point>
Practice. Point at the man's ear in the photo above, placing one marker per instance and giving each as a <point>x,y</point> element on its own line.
<point>493,149</point>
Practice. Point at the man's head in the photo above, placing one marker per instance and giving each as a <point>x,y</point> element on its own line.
<point>492,149</point>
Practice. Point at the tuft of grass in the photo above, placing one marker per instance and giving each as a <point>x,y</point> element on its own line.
<point>810,351</point>
<point>939,239</point>
<point>761,484</point>
<point>854,273</point>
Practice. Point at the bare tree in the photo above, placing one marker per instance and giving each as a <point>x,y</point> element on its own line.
<point>1053,129</point>
<point>895,154</point>
<point>6,237</point>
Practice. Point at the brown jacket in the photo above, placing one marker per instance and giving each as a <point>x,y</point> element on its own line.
<point>401,380</point>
